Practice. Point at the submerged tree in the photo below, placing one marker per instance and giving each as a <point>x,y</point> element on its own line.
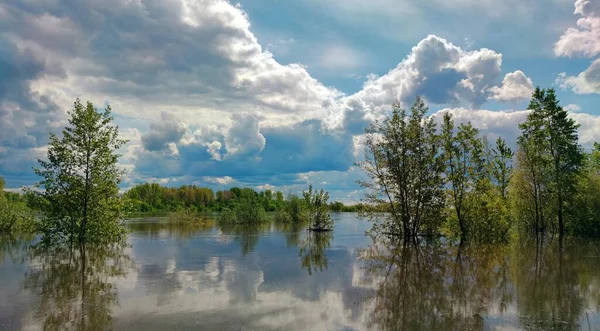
<point>81,179</point>
<point>550,159</point>
<point>317,209</point>
<point>463,153</point>
<point>477,178</point>
<point>405,167</point>
<point>586,211</point>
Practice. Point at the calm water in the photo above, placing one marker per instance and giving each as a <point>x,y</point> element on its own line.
<point>278,278</point>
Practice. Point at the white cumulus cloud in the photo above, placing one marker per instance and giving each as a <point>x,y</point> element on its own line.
<point>583,40</point>
<point>515,86</point>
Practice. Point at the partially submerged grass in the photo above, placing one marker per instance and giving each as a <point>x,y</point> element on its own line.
<point>187,217</point>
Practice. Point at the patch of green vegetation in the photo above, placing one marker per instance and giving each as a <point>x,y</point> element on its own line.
<point>15,216</point>
<point>187,217</point>
<point>246,211</point>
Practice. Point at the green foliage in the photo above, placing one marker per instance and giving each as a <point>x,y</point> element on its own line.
<point>15,216</point>
<point>247,210</point>
<point>405,167</point>
<point>465,170</point>
<point>293,211</point>
<point>586,211</point>
<point>549,162</point>
<point>336,206</point>
<point>80,179</point>
<point>152,197</point>
<point>250,211</point>
<point>502,166</point>
<point>477,176</point>
<point>455,183</point>
<point>317,211</point>
<point>228,216</point>
<point>149,197</point>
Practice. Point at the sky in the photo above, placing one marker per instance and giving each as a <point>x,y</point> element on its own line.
<point>276,94</point>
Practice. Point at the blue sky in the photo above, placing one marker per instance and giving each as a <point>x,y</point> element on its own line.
<point>276,94</point>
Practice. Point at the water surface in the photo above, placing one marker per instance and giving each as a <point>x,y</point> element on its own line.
<point>275,277</point>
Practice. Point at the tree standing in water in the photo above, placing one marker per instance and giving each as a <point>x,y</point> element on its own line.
<point>550,157</point>
<point>463,153</point>
<point>317,209</point>
<point>405,167</point>
<point>81,179</point>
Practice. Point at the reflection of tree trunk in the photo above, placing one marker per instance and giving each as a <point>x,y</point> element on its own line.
<point>404,277</point>
<point>539,250</point>
<point>83,285</point>
<point>458,276</point>
<point>559,282</point>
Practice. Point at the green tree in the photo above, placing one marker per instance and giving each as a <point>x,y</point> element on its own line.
<point>81,178</point>
<point>586,211</point>
<point>502,166</point>
<point>403,162</point>
<point>315,203</point>
<point>336,206</point>
<point>465,169</point>
<point>552,153</point>
<point>528,186</point>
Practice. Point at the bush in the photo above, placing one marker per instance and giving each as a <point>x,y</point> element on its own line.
<point>227,216</point>
<point>294,211</point>
<point>245,212</point>
<point>283,216</point>
<point>318,213</point>
<point>16,217</point>
<point>250,212</point>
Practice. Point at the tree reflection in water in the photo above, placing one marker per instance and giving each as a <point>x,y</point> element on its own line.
<point>247,234</point>
<point>154,229</point>
<point>292,232</point>
<point>12,247</point>
<point>74,284</point>
<point>447,286</point>
<point>553,284</point>
<point>312,250</point>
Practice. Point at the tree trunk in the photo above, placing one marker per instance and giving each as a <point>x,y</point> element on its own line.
<point>82,232</point>
<point>83,257</point>
<point>561,224</point>
<point>461,223</point>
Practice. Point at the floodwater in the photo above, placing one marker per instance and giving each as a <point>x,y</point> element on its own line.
<point>276,277</point>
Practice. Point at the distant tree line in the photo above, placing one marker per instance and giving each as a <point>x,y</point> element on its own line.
<point>149,197</point>
<point>450,180</point>
<point>153,197</point>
